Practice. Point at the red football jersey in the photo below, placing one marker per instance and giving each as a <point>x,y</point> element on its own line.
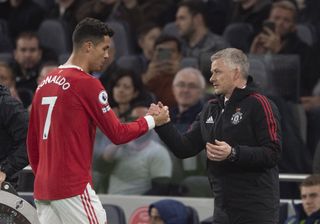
<point>67,107</point>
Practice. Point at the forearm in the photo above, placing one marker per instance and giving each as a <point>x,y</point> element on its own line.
<point>182,146</point>
<point>16,161</point>
<point>266,156</point>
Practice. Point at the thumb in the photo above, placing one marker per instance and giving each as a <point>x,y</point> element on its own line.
<point>218,142</point>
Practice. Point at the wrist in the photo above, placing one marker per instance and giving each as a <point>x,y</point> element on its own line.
<point>234,155</point>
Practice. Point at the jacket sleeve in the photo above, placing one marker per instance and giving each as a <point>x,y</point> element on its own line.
<point>96,104</point>
<point>266,126</point>
<point>32,139</point>
<point>182,145</point>
<point>15,121</point>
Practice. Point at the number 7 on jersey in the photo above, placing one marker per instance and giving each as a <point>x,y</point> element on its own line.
<point>51,102</point>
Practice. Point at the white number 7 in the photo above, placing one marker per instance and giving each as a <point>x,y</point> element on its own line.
<point>51,101</point>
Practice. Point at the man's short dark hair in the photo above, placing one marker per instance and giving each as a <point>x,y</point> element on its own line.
<point>311,180</point>
<point>27,35</point>
<point>196,7</point>
<point>146,27</point>
<point>166,38</point>
<point>90,29</point>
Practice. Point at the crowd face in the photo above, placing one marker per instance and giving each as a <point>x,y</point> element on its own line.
<point>99,54</point>
<point>155,217</point>
<point>184,22</point>
<point>44,72</point>
<point>223,78</point>
<point>147,42</point>
<point>187,89</point>
<point>283,19</point>
<point>124,91</point>
<point>6,77</point>
<point>27,53</point>
<point>170,46</point>
<point>310,196</point>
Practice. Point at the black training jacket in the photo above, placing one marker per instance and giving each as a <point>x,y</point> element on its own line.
<point>13,133</point>
<point>246,190</point>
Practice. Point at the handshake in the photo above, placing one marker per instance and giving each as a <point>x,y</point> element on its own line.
<point>159,113</point>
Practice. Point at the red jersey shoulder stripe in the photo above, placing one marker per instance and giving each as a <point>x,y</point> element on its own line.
<point>272,125</point>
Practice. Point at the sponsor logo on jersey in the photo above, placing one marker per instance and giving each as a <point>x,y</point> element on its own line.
<point>236,117</point>
<point>210,120</point>
<point>103,97</point>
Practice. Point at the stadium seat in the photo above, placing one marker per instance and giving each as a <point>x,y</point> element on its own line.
<point>171,29</point>
<point>52,35</point>
<point>306,34</point>
<point>259,73</point>
<point>193,217</point>
<point>120,38</point>
<point>283,72</point>
<point>316,163</point>
<point>62,58</point>
<point>5,42</point>
<point>189,62</point>
<point>115,214</point>
<point>195,186</point>
<point>6,57</point>
<point>239,35</point>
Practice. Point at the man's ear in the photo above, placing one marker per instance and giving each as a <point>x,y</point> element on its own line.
<point>237,74</point>
<point>88,45</point>
<point>198,19</point>
<point>140,41</point>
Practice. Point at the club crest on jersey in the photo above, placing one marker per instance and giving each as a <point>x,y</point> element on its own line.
<point>236,117</point>
<point>103,97</point>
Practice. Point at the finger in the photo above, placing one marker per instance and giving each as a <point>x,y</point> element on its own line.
<point>160,104</point>
<point>219,143</point>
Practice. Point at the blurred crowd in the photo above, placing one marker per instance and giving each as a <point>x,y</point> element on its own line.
<point>161,52</point>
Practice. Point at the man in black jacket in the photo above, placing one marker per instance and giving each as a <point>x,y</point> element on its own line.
<point>240,131</point>
<point>13,133</point>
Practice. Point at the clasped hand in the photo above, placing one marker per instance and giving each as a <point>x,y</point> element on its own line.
<point>159,113</point>
<point>218,151</point>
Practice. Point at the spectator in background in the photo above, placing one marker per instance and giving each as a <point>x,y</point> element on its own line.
<point>27,56</point>
<point>281,38</point>
<point>7,79</point>
<point>147,35</point>
<point>45,69</point>
<point>21,15</point>
<point>168,211</point>
<point>130,14</point>
<point>192,26</point>
<point>66,11</point>
<point>311,105</point>
<point>126,89</point>
<point>159,11</point>
<point>309,211</point>
<point>110,66</point>
<point>164,64</point>
<point>13,134</point>
<point>253,12</point>
<point>140,167</point>
<point>99,9</point>
<point>310,16</point>
<point>188,89</point>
